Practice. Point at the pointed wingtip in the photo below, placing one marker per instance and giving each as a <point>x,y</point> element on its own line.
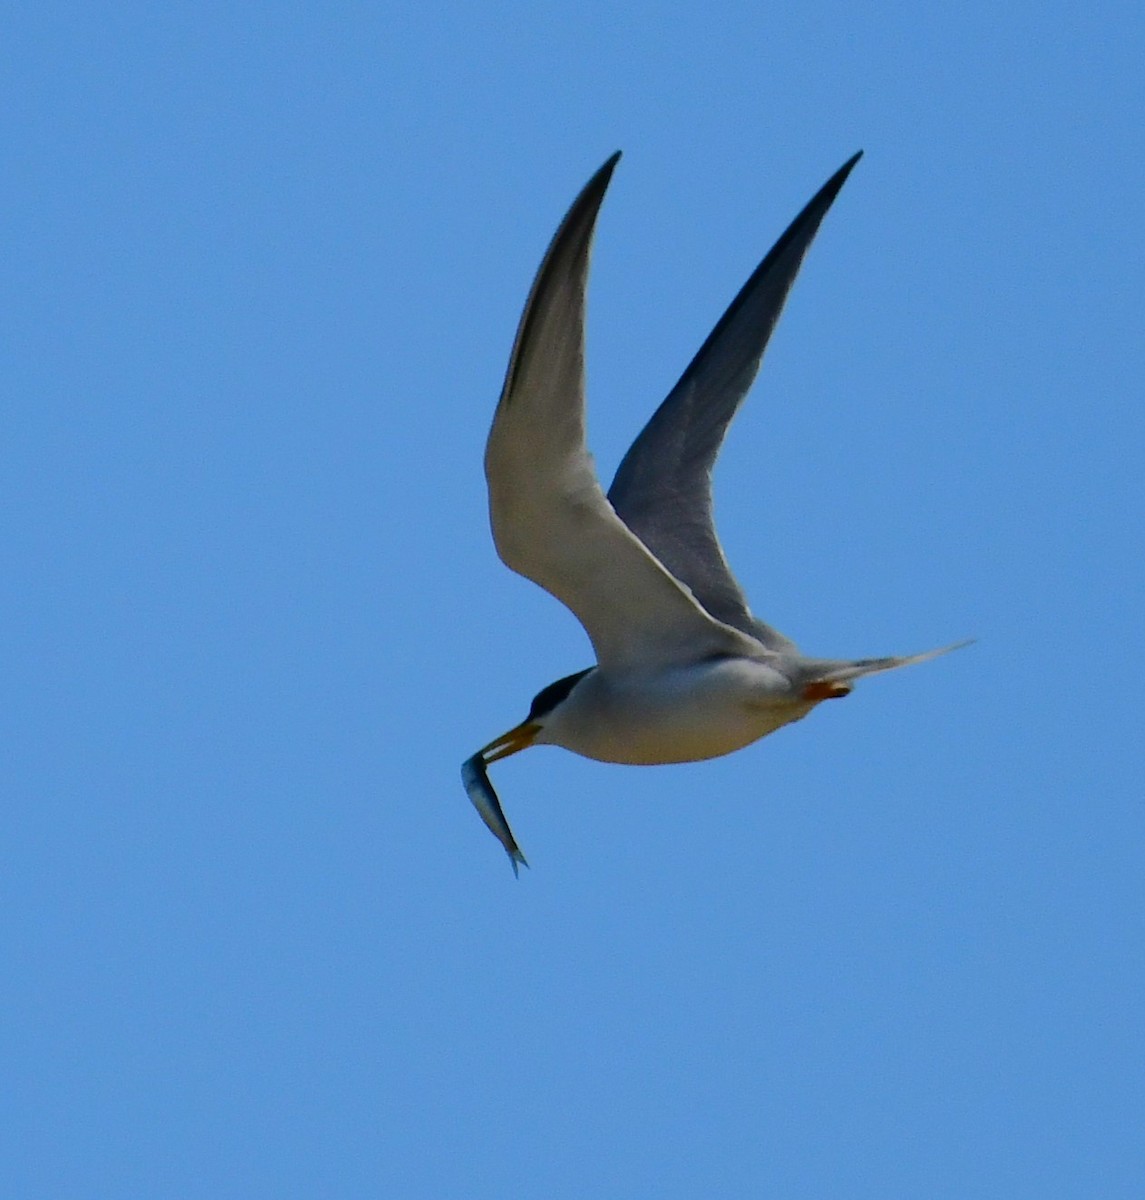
<point>601,177</point>
<point>825,196</point>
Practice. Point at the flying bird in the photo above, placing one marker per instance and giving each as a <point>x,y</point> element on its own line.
<point>684,670</point>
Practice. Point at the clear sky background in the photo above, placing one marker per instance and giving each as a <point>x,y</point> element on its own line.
<point>262,266</point>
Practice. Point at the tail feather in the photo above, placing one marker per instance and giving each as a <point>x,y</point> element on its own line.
<point>834,671</point>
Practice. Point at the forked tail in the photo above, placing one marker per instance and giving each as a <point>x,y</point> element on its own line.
<point>843,671</point>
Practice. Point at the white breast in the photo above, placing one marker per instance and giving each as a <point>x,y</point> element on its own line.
<point>680,715</point>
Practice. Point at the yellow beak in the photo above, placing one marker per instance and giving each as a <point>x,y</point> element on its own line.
<point>520,737</point>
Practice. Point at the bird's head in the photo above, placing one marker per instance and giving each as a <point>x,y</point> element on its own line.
<point>520,737</point>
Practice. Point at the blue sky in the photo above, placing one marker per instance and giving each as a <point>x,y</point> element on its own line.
<point>262,269</point>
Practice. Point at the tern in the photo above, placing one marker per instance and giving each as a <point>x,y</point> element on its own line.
<point>684,670</point>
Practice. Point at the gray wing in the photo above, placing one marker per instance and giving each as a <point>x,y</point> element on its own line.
<point>662,490</point>
<point>550,520</point>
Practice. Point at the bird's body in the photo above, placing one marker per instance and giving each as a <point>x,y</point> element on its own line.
<point>672,715</point>
<point>684,670</point>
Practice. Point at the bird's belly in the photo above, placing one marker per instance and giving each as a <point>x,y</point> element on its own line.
<point>671,740</point>
<point>684,716</point>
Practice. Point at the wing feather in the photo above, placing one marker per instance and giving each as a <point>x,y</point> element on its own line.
<point>662,489</point>
<point>550,518</point>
